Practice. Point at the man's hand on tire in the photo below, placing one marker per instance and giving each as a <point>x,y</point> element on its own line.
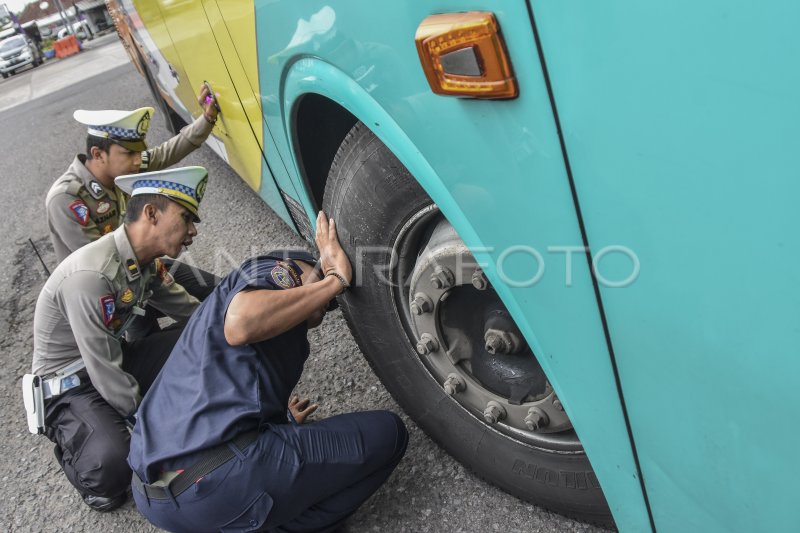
<point>331,255</point>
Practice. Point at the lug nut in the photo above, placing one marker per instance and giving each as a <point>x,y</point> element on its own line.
<point>536,419</point>
<point>494,412</point>
<point>479,280</point>
<point>427,344</point>
<point>421,304</point>
<point>453,384</point>
<point>442,278</point>
<point>557,404</point>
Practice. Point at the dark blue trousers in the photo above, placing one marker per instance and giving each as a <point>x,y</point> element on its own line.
<point>293,478</point>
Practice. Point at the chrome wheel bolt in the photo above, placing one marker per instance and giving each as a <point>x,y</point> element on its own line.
<point>494,412</point>
<point>421,304</point>
<point>536,419</point>
<point>442,278</point>
<point>557,404</point>
<point>427,344</point>
<point>453,384</point>
<point>479,280</point>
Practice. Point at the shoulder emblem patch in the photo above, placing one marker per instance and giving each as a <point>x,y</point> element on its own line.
<point>107,308</point>
<point>127,296</point>
<point>284,275</point>
<point>80,211</point>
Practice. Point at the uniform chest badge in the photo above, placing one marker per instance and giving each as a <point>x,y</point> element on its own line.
<point>107,308</point>
<point>103,207</point>
<point>96,189</point>
<point>80,211</point>
<point>284,276</point>
<point>108,228</point>
<point>127,296</point>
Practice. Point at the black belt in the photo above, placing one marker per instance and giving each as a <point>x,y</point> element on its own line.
<point>208,462</point>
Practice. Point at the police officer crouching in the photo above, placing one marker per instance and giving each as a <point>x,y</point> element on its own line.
<point>212,449</point>
<point>83,204</point>
<point>87,380</point>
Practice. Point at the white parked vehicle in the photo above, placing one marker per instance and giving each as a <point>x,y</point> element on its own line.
<point>17,52</point>
<point>80,29</point>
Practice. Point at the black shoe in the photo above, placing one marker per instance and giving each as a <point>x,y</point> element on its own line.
<point>103,505</point>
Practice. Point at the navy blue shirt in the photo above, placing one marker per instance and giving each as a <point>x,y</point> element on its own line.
<point>209,391</point>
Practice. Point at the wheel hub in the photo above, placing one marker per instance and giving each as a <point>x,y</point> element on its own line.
<point>469,343</point>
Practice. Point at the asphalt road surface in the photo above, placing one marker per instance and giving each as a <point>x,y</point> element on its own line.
<point>429,491</point>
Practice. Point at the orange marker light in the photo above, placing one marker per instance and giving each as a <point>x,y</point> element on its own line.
<point>463,54</point>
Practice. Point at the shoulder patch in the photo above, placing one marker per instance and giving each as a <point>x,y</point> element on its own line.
<point>284,275</point>
<point>107,308</point>
<point>80,211</point>
<point>96,189</point>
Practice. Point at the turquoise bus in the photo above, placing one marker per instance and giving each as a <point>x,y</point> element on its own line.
<point>572,225</point>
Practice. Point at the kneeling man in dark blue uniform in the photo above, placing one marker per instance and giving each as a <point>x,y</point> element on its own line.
<point>212,449</point>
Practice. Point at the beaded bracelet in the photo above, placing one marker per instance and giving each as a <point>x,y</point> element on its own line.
<point>341,279</point>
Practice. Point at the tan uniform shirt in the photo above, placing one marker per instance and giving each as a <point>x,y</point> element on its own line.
<point>85,305</point>
<point>80,209</point>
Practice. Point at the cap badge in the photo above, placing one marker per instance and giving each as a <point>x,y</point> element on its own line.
<point>201,189</point>
<point>143,124</point>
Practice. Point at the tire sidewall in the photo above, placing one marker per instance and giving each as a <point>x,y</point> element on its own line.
<point>372,196</point>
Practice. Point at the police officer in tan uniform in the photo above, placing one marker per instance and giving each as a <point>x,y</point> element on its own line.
<point>82,314</point>
<point>83,204</point>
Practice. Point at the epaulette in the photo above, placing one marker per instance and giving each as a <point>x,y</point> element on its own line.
<point>74,187</point>
<point>110,266</point>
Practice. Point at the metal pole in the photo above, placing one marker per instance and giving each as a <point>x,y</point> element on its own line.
<point>64,17</point>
